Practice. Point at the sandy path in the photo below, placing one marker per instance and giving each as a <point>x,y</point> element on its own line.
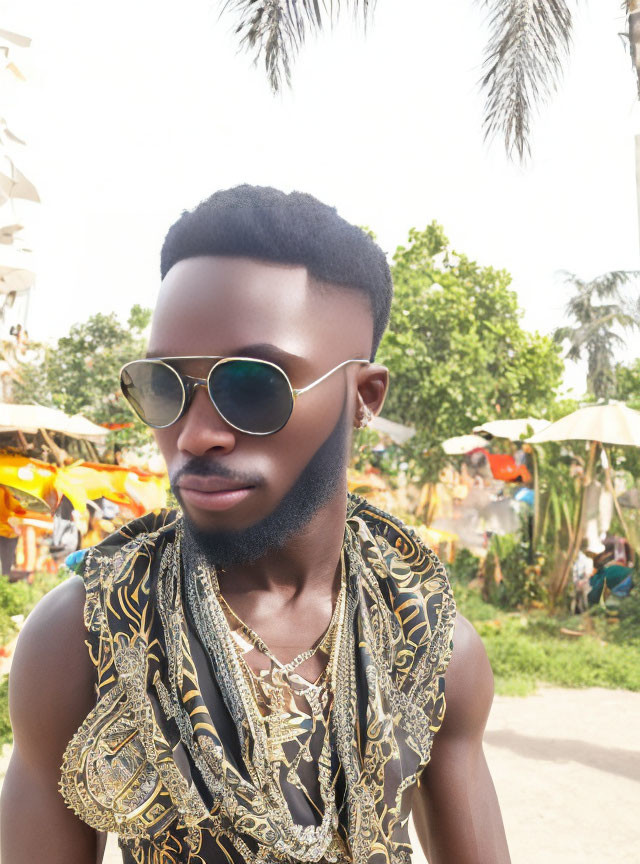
<point>566,764</point>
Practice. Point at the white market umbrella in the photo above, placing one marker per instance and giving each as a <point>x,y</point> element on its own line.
<point>462,444</point>
<point>8,232</point>
<point>5,132</point>
<point>31,418</point>
<point>517,429</point>
<point>614,423</point>
<point>398,433</point>
<point>16,279</point>
<point>16,38</point>
<point>17,186</point>
<point>514,430</point>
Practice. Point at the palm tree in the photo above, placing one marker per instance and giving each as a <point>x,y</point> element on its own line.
<point>595,332</point>
<point>529,39</point>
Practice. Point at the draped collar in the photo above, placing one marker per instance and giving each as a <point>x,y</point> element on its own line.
<point>151,762</point>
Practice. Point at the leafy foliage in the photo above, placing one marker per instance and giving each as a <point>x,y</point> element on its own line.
<point>275,30</point>
<point>19,598</point>
<point>520,584</point>
<point>529,650</point>
<point>6,733</point>
<point>597,325</point>
<point>465,567</point>
<point>628,383</point>
<point>528,41</point>
<point>80,373</point>
<point>456,350</point>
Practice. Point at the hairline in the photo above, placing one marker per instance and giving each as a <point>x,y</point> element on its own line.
<point>323,286</point>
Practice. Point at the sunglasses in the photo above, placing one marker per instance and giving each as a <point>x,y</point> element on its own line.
<point>253,396</point>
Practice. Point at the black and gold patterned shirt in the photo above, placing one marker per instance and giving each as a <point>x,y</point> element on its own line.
<point>177,755</point>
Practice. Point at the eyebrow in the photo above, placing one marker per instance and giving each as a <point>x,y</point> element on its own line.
<point>259,350</point>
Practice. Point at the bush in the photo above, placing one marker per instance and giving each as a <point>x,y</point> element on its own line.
<point>525,651</point>
<point>6,735</point>
<point>15,597</point>
<point>520,584</point>
<point>472,606</point>
<point>19,598</point>
<point>564,661</point>
<point>464,567</point>
<point>628,611</point>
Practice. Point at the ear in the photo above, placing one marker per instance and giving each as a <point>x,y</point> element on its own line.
<point>372,383</point>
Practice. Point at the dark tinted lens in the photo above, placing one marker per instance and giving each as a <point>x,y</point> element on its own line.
<point>153,390</point>
<point>253,397</point>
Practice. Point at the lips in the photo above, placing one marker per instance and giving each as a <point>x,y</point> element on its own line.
<point>211,484</point>
<point>212,493</point>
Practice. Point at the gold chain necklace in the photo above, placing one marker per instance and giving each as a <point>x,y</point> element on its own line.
<point>281,672</point>
<point>305,843</point>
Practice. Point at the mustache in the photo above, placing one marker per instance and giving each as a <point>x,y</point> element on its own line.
<point>209,468</point>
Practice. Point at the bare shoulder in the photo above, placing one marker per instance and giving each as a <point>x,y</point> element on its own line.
<point>51,683</point>
<point>468,683</point>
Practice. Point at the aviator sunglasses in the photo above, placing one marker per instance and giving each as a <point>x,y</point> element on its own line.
<point>253,396</point>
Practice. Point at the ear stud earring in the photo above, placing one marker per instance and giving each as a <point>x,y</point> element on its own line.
<point>365,418</point>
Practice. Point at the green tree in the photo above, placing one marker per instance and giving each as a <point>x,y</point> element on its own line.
<point>628,383</point>
<point>595,331</point>
<point>628,390</point>
<point>528,42</point>
<point>79,374</point>
<point>457,352</point>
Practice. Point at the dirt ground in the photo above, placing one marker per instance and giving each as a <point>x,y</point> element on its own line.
<point>566,765</point>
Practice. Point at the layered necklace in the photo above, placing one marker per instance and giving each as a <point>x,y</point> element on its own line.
<point>284,698</point>
<point>275,731</point>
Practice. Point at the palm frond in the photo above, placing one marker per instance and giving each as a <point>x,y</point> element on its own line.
<point>632,11</point>
<point>528,42</point>
<point>609,284</point>
<point>604,287</point>
<point>274,31</point>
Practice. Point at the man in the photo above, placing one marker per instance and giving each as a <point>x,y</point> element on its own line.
<point>265,673</point>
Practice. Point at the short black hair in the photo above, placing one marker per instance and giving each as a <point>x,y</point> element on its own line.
<point>264,223</point>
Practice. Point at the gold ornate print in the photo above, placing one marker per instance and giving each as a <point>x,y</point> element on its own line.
<point>278,769</point>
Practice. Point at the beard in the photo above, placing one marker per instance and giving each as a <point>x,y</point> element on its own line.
<point>320,480</point>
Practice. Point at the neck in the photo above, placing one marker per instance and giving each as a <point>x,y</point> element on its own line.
<point>308,560</point>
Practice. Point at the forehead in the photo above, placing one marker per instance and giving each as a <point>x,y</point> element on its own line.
<point>216,305</point>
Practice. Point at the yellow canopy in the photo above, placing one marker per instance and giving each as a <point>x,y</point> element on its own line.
<point>82,482</point>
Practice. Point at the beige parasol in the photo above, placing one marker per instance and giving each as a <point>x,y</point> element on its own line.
<point>514,430</point>
<point>16,186</point>
<point>615,424</point>
<point>31,418</point>
<point>462,444</point>
<point>398,433</point>
<point>15,280</point>
<point>16,38</point>
<point>8,234</point>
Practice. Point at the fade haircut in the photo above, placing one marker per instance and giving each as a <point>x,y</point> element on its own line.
<point>264,223</point>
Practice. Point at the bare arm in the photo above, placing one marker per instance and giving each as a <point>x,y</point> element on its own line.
<point>50,694</point>
<point>455,808</point>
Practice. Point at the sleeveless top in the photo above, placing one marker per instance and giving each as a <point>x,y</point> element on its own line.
<point>173,757</point>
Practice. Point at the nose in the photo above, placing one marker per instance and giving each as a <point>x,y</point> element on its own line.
<point>202,429</point>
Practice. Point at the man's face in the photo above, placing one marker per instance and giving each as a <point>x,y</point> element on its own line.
<point>242,307</point>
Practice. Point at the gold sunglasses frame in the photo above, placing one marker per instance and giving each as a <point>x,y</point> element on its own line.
<point>194,383</point>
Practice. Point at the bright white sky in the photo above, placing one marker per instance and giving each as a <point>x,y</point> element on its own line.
<point>137,110</point>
